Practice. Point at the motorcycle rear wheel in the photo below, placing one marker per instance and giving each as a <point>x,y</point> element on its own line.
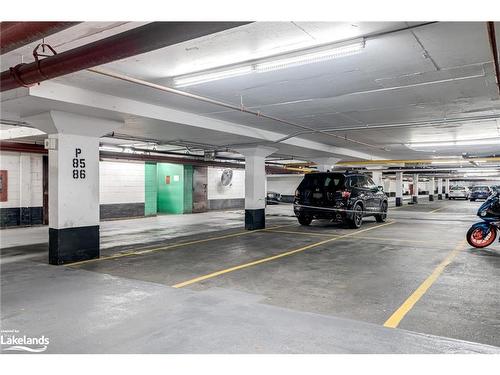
<point>476,238</point>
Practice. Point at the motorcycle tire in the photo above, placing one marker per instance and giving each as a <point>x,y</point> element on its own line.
<point>476,239</point>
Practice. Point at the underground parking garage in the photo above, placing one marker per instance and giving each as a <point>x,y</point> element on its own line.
<point>328,187</point>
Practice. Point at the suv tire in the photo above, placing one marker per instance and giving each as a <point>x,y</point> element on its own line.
<point>304,220</point>
<point>357,217</point>
<point>382,217</point>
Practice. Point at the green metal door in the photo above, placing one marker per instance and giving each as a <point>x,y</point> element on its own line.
<point>170,188</point>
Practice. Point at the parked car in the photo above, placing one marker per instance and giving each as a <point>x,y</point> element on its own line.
<point>458,192</point>
<point>479,192</point>
<point>345,197</point>
<point>273,197</point>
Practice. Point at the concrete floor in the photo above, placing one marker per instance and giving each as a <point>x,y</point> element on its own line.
<point>327,297</point>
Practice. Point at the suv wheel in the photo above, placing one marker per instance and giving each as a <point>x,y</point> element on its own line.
<point>357,217</point>
<point>383,213</point>
<point>304,220</point>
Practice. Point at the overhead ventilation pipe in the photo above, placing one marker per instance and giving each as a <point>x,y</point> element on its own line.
<point>133,42</point>
<point>14,35</point>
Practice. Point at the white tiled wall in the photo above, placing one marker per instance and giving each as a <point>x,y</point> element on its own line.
<point>10,161</point>
<point>215,190</point>
<point>121,182</point>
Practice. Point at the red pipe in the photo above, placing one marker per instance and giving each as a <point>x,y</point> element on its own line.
<point>133,42</point>
<point>494,51</point>
<point>14,35</point>
<point>22,147</point>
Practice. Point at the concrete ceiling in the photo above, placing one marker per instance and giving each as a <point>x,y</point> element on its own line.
<point>426,74</point>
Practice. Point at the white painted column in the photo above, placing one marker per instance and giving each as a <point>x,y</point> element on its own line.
<point>440,188</point>
<point>414,197</point>
<point>447,188</point>
<point>399,188</point>
<point>377,178</point>
<point>432,187</point>
<point>255,185</point>
<point>324,164</point>
<point>25,189</point>
<point>73,145</point>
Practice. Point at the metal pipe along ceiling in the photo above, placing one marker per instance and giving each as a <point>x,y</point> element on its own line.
<point>14,35</point>
<point>133,42</point>
<point>219,103</point>
<point>494,50</point>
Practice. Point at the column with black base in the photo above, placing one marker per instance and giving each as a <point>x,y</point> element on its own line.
<point>73,147</point>
<point>440,188</point>
<point>414,197</point>
<point>447,188</point>
<point>432,187</point>
<point>399,189</point>
<point>255,185</point>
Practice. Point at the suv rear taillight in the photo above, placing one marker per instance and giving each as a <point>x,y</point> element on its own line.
<point>346,194</point>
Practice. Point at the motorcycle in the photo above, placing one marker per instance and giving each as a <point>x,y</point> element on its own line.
<point>483,234</point>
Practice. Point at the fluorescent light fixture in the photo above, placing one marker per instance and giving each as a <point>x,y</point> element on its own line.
<point>110,148</point>
<point>311,57</point>
<point>481,174</point>
<point>449,162</point>
<point>465,142</point>
<point>278,62</point>
<point>194,79</point>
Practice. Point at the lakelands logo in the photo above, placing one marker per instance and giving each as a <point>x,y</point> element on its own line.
<point>11,340</point>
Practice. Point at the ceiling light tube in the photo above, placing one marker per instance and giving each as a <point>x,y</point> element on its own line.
<point>468,142</point>
<point>194,79</point>
<point>311,57</point>
<point>278,62</point>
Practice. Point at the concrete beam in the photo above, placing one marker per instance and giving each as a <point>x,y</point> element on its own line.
<point>125,107</point>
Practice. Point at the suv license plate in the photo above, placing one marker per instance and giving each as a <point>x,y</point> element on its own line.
<point>317,195</point>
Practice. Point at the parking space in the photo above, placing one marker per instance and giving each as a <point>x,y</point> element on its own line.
<point>192,182</point>
<point>364,274</point>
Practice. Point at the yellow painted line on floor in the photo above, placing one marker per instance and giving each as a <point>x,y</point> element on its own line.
<point>437,209</point>
<point>301,233</point>
<point>336,235</point>
<point>401,312</point>
<point>168,247</point>
<point>274,257</point>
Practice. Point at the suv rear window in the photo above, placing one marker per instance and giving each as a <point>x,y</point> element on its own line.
<point>333,181</point>
<point>480,188</point>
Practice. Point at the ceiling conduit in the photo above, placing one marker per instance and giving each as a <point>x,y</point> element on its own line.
<point>133,42</point>
<point>14,35</point>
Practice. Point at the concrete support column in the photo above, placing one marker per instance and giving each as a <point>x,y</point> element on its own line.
<point>414,197</point>
<point>377,178</point>
<point>447,188</point>
<point>255,185</point>
<point>73,146</point>
<point>25,186</point>
<point>432,187</point>
<point>399,188</point>
<point>440,188</point>
<point>324,164</point>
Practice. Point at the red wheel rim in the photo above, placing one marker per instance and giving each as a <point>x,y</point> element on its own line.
<point>479,240</point>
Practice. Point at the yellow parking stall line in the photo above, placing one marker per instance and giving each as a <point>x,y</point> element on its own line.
<point>437,209</point>
<point>407,305</point>
<point>394,239</point>
<point>302,233</point>
<point>168,247</point>
<point>336,235</point>
<point>274,257</point>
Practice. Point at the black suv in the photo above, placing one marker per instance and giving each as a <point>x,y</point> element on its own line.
<point>346,197</point>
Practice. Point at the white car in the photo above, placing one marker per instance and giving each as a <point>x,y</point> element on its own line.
<point>458,192</point>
